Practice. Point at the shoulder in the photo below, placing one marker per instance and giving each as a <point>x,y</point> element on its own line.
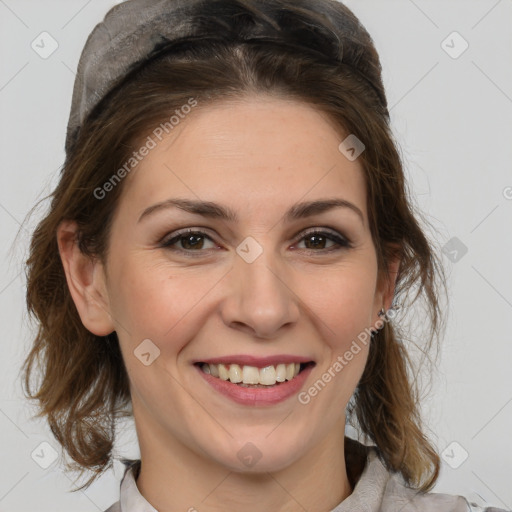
<point>116,507</point>
<point>377,489</point>
<point>398,496</point>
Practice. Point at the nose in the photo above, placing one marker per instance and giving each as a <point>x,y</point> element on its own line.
<point>260,300</point>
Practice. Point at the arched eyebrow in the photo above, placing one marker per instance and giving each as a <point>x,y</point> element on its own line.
<point>216,211</point>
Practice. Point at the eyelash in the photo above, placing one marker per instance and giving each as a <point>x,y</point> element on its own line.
<point>341,241</point>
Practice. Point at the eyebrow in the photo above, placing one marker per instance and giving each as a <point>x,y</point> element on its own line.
<point>216,211</point>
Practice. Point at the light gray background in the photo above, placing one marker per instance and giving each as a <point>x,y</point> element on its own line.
<point>453,120</point>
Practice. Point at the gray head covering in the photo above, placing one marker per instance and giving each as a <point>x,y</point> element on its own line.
<point>136,30</point>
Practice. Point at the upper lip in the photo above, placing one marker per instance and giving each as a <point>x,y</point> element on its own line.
<point>258,362</point>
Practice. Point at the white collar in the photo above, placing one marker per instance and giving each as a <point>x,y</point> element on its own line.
<point>131,499</point>
<point>376,490</point>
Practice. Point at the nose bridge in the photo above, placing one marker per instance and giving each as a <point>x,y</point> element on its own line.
<point>262,276</point>
<point>261,298</point>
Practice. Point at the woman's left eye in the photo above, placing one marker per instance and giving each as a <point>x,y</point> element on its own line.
<point>194,241</point>
<point>320,238</point>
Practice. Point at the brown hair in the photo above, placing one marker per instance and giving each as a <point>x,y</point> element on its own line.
<point>84,387</point>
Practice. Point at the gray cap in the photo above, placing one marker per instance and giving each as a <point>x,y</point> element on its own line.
<point>136,30</point>
<point>129,33</point>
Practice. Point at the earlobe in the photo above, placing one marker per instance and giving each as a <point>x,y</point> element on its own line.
<point>387,283</point>
<point>86,281</point>
<point>389,291</point>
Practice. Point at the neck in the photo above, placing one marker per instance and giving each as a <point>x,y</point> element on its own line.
<point>172,477</point>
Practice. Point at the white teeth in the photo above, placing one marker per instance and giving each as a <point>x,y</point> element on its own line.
<point>281,372</point>
<point>290,370</point>
<point>235,373</point>
<point>267,376</point>
<point>223,372</point>
<point>251,375</point>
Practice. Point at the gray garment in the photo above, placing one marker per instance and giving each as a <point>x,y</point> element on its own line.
<point>376,490</point>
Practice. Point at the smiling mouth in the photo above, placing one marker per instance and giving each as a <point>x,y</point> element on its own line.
<point>252,376</point>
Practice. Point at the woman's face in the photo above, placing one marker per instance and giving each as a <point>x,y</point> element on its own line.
<point>256,288</point>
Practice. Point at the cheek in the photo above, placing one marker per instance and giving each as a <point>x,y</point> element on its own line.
<point>155,303</point>
<point>159,302</point>
<point>141,299</point>
<point>342,300</point>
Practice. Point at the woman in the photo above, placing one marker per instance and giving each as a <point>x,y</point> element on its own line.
<point>223,259</point>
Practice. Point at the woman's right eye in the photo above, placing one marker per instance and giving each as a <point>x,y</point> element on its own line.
<point>191,241</point>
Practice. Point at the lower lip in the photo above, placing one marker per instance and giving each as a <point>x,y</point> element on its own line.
<point>258,396</point>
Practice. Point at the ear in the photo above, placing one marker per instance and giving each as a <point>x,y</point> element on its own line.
<point>386,283</point>
<point>86,281</point>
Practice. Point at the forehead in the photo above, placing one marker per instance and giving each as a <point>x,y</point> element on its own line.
<point>259,150</point>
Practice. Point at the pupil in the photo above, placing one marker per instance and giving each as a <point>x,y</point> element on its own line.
<point>193,244</point>
<point>319,240</point>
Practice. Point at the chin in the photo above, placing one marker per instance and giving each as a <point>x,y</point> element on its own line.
<point>259,454</point>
